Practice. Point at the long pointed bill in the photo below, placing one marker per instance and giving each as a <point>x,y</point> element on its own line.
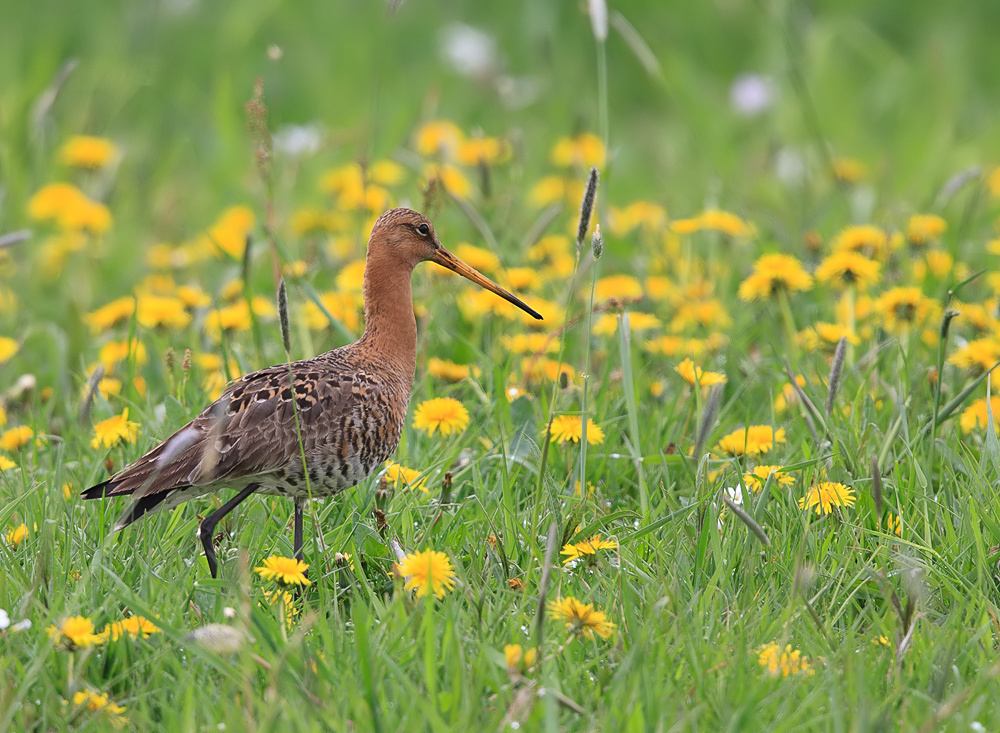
<point>446,259</point>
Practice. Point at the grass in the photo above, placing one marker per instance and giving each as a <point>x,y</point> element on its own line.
<point>898,631</point>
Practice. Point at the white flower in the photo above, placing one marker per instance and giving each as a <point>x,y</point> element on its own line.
<point>22,625</point>
<point>298,141</point>
<point>4,619</point>
<point>736,496</point>
<point>470,51</point>
<point>751,94</point>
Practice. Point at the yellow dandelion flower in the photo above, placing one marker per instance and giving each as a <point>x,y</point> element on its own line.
<point>530,343</point>
<point>581,618</point>
<point>923,229</point>
<point>848,269</point>
<point>115,430</point>
<point>826,495</point>
<point>477,257</point>
<point>15,535</point>
<point>758,475</point>
<point>228,234</point>
<point>8,347</point>
<point>308,221</point>
<point>439,137</point>
<point>477,150</point>
<point>16,438</point>
<point>607,323</point>
<point>396,473</point>
<point>443,414</point>
<point>135,627</point>
<point>548,190</point>
<point>980,354</point>
<point>115,352</point>
<point>285,570</point>
<point>344,307</point>
<point>587,548</point>
<point>519,659</point>
<point>85,151</point>
<point>831,333</point>
<point>974,416</point>
<point>869,240</point>
<point>710,313</point>
<point>569,428</point>
<point>849,170</point>
<point>549,246</point>
<point>773,273</point>
<point>6,463</point>
<point>667,345</point>
<point>520,279</point>
<point>696,376</point>
<point>449,370</point>
<point>284,599</point>
<point>583,151</point>
<point>751,441</point>
<point>893,524</point>
<point>192,296</point>
<point>646,215</point>
<point>386,172</point>
<point>903,307</point>
<point>622,287</point>
<point>50,200</point>
<point>782,662</point>
<point>99,703</point>
<point>715,220</point>
<point>939,264</point>
<point>351,277</point>
<point>229,319</point>
<point>453,180</point>
<point>428,572</point>
<point>74,632</point>
<point>111,314</point>
<point>162,311</point>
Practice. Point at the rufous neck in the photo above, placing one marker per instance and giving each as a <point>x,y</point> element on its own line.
<point>390,326</point>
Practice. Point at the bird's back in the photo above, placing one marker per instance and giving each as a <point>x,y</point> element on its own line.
<point>316,435</point>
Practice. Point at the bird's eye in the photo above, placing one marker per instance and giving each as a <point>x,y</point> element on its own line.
<point>423,230</point>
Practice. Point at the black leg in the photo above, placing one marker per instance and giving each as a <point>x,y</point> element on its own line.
<point>206,529</point>
<point>297,548</point>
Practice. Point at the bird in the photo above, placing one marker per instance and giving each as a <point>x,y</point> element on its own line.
<point>311,428</point>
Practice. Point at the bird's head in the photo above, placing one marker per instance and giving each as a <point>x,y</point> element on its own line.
<point>408,237</point>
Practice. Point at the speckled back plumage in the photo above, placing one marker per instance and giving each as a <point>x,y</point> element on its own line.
<point>350,416</point>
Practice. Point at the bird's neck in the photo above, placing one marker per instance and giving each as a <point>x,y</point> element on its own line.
<point>390,327</point>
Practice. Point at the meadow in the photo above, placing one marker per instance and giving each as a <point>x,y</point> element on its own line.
<point>743,475</point>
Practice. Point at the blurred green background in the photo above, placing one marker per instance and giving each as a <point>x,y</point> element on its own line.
<point>906,87</point>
